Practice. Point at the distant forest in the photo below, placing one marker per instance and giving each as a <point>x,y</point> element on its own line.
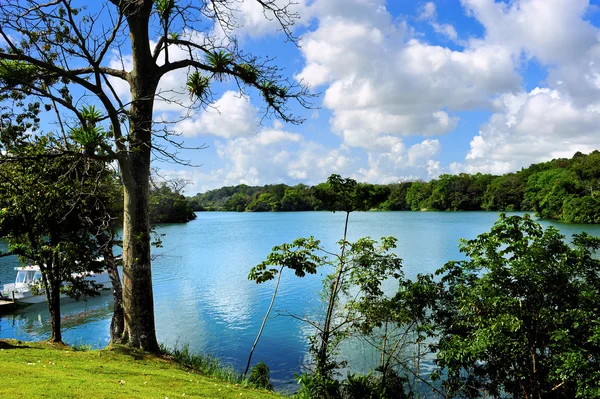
<point>562,189</point>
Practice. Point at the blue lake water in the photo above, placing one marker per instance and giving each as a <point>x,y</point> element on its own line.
<point>203,298</point>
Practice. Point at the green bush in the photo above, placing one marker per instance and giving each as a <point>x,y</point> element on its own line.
<point>260,377</point>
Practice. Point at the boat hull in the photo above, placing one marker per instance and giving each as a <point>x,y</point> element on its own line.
<point>24,295</point>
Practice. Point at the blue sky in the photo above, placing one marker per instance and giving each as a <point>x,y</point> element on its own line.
<point>407,90</point>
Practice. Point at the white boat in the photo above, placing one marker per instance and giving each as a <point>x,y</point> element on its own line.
<point>27,276</point>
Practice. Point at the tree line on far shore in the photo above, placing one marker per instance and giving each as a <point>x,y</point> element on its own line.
<point>562,189</point>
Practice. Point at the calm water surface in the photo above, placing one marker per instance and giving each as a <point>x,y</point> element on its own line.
<point>203,298</point>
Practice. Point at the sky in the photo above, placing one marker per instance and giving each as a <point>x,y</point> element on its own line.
<point>406,90</point>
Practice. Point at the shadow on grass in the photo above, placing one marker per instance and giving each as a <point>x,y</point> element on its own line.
<point>14,345</point>
<point>127,351</point>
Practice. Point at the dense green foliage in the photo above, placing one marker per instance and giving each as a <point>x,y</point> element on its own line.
<point>169,206</point>
<point>53,210</point>
<point>516,318</point>
<point>519,316</point>
<point>563,189</point>
<point>242,198</point>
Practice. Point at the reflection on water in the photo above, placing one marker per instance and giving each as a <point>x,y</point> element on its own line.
<point>33,322</point>
<point>203,298</point>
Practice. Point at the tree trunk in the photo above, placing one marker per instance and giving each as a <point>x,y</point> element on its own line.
<point>138,304</point>
<point>54,308</point>
<point>53,295</point>
<point>262,326</point>
<point>117,324</point>
<point>322,355</point>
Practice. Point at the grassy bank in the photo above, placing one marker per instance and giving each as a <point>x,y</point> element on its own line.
<point>42,370</point>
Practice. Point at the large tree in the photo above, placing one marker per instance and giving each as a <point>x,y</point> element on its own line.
<point>60,51</point>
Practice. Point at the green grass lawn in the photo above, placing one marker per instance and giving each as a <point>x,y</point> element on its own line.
<point>42,370</point>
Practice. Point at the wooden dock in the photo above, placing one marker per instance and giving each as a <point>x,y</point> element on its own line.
<point>6,306</point>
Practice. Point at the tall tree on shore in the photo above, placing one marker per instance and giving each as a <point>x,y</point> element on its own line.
<point>59,51</point>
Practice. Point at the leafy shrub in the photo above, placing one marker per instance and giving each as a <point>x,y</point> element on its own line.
<point>260,377</point>
<point>316,386</point>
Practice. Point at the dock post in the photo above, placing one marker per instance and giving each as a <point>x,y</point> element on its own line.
<point>13,296</point>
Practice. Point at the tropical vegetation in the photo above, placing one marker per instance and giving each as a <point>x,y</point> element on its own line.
<point>562,189</point>
<point>516,318</point>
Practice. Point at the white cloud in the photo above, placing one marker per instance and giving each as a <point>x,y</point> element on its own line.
<point>548,122</point>
<point>275,155</point>
<point>424,151</point>
<point>251,19</point>
<point>429,13</point>
<point>533,127</point>
<point>382,81</point>
<point>551,30</point>
<point>232,115</point>
<point>446,30</point>
<point>271,156</point>
<point>399,163</point>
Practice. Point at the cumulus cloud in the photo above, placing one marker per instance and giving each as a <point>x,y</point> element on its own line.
<point>230,116</point>
<point>383,81</point>
<point>533,127</point>
<point>550,30</point>
<point>275,155</point>
<point>401,163</point>
<point>272,155</point>
<point>555,120</point>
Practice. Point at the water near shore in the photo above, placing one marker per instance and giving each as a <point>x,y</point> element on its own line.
<point>203,298</point>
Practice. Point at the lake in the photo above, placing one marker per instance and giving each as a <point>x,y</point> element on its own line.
<point>203,298</point>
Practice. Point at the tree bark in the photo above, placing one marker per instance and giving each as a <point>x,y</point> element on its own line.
<point>138,304</point>
<point>53,294</point>
<point>117,324</point>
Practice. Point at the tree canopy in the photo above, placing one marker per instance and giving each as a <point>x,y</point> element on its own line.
<point>519,316</point>
<point>59,53</point>
<point>53,211</point>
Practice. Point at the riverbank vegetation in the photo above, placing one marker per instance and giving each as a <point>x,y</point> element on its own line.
<point>35,370</point>
<point>562,189</point>
<point>516,318</point>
